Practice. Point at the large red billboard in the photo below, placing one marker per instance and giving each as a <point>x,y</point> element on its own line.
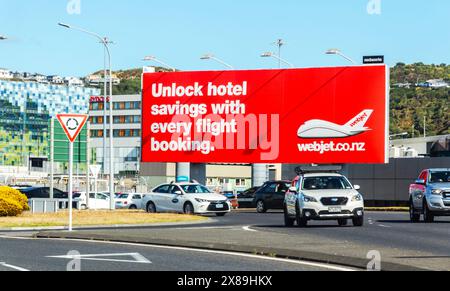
<point>320,115</point>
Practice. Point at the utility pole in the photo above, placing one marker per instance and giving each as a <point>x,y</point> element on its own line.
<point>279,43</point>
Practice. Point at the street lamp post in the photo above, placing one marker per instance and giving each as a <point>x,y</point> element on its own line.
<point>156,60</point>
<point>214,58</point>
<point>106,43</point>
<point>182,169</point>
<point>339,53</point>
<point>281,60</point>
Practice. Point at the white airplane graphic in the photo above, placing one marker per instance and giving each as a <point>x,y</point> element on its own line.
<point>326,129</point>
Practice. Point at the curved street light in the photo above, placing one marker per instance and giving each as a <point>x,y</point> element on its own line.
<point>272,55</point>
<point>105,41</point>
<point>214,58</point>
<point>339,53</point>
<point>156,60</point>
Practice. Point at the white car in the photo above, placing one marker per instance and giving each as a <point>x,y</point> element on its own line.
<point>323,196</point>
<point>129,201</point>
<point>96,200</point>
<point>187,198</point>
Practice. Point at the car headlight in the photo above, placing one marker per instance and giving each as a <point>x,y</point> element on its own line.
<point>357,198</point>
<point>201,200</point>
<point>436,191</point>
<point>309,199</point>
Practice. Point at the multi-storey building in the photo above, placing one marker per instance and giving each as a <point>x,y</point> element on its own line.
<point>25,111</point>
<point>127,133</point>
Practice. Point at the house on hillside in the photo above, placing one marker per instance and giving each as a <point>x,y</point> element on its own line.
<point>437,83</point>
<point>6,74</point>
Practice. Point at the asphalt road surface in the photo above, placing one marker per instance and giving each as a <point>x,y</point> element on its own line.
<point>393,230</point>
<point>57,255</point>
<point>421,245</point>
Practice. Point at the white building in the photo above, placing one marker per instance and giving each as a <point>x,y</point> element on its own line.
<point>6,74</point>
<point>55,79</point>
<point>73,81</point>
<point>437,83</point>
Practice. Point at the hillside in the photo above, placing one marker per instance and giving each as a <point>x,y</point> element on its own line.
<point>409,106</point>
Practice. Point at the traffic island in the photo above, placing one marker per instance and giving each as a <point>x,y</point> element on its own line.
<point>91,219</point>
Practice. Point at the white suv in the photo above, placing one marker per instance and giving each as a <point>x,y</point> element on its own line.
<point>323,196</point>
<point>187,198</point>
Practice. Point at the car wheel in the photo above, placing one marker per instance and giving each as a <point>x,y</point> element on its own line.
<point>221,214</point>
<point>151,207</point>
<point>133,207</point>
<point>288,222</point>
<point>343,222</point>
<point>427,214</point>
<point>358,221</point>
<point>188,209</point>
<point>301,221</point>
<point>261,207</point>
<point>83,207</point>
<point>413,214</point>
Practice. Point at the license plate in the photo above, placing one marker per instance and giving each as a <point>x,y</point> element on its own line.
<point>335,209</point>
<point>219,206</point>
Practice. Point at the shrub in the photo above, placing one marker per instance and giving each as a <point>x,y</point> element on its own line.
<point>12,202</point>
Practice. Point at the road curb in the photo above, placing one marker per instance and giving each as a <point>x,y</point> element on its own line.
<point>357,263</point>
<point>97,227</point>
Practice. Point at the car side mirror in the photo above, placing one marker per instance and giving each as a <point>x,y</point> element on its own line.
<point>420,182</point>
<point>178,193</point>
<point>357,187</point>
<point>293,190</point>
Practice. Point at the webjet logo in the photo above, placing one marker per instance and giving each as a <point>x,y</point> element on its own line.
<point>321,129</point>
<point>315,129</point>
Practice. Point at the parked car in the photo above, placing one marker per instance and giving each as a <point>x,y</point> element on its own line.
<point>188,198</point>
<point>430,195</point>
<point>231,196</point>
<point>323,196</point>
<point>246,199</point>
<point>129,201</point>
<point>43,193</point>
<point>271,196</point>
<point>96,200</point>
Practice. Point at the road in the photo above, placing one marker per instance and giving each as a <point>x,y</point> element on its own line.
<point>393,230</point>
<point>51,255</point>
<point>399,241</point>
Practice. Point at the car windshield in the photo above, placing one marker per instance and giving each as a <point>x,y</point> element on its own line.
<point>440,177</point>
<point>326,183</point>
<point>123,196</point>
<point>195,189</point>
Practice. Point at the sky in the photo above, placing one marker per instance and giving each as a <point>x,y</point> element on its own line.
<point>237,31</point>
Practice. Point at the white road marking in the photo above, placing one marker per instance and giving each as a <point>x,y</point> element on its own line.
<point>385,226</point>
<point>247,228</point>
<point>13,267</point>
<point>138,258</point>
<point>290,261</point>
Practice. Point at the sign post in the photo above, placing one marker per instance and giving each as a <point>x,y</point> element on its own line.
<point>72,125</point>
<point>95,170</point>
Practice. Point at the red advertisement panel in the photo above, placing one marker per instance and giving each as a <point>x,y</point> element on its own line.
<point>321,116</point>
